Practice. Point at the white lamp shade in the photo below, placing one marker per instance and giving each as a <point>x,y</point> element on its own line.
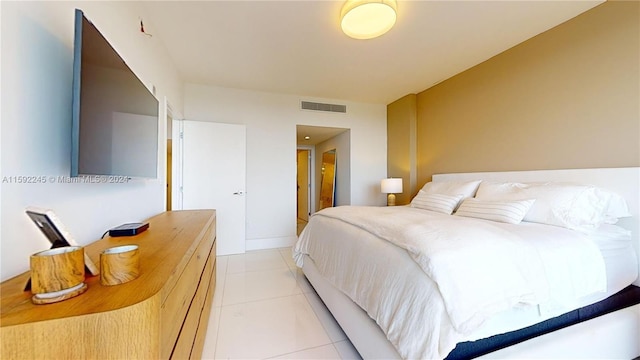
<point>367,19</point>
<point>391,186</point>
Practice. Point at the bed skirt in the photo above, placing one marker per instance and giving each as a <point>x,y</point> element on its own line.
<point>627,297</point>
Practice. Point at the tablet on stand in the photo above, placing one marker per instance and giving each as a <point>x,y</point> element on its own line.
<point>58,236</point>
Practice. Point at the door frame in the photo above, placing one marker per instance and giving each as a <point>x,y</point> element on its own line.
<point>311,173</point>
<point>169,163</point>
<point>177,160</point>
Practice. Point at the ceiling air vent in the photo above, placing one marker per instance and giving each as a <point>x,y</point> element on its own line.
<point>307,105</point>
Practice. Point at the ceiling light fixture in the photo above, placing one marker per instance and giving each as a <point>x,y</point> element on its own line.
<point>367,19</point>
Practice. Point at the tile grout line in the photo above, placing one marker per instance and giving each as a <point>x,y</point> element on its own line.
<point>324,327</point>
<point>293,272</point>
<point>217,325</point>
<point>318,318</point>
<point>297,351</point>
<point>264,299</point>
<point>259,270</point>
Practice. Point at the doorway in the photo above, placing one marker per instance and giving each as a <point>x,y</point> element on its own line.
<point>317,140</point>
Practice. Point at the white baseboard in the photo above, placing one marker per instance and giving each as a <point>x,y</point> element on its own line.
<point>270,243</point>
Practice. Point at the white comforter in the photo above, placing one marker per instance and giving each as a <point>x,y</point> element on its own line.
<point>474,269</point>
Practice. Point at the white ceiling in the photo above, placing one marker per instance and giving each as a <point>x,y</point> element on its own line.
<point>297,47</point>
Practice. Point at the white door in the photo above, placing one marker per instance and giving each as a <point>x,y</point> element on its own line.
<point>213,177</point>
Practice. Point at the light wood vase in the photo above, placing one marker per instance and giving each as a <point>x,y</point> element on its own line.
<point>119,264</point>
<point>57,274</point>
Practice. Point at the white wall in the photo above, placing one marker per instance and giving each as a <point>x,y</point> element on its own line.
<point>36,72</point>
<point>271,121</point>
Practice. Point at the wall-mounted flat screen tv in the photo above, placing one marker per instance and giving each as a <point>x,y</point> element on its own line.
<point>115,116</point>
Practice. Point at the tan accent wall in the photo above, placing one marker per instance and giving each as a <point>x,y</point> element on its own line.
<point>401,145</point>
<point>568,98</point>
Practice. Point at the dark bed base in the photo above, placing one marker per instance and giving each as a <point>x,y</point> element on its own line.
<point>470,349</point>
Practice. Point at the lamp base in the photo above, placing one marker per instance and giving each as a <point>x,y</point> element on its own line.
<point>391,200</point>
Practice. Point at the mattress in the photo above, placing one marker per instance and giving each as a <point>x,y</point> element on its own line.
<point>372,253</point>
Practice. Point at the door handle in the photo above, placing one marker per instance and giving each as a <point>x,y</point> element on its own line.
<point>239,192</point>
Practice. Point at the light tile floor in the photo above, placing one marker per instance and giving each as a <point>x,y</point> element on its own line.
<point>265,308</point>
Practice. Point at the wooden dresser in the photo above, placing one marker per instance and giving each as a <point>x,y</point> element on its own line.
<point>162,314</point>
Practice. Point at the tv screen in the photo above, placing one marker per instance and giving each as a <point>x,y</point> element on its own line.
<point>115,116</point>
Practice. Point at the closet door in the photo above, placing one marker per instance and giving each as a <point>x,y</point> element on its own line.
<point>214,177</point>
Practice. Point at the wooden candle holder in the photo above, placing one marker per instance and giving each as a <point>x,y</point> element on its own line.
<point>119,264</point>
<point>57,274</point>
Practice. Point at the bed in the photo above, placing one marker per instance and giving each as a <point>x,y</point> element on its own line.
<point>483,294</point>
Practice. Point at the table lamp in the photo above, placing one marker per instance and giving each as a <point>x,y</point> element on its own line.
<point>391,187</point>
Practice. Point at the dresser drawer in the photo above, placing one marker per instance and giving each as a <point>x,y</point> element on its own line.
<point>198,344</point>
<point>186,338</point>
<point>175,308</point>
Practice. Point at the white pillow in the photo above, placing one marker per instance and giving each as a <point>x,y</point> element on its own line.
<point>467,188</point>
<point>574,206</point>
<point>436,202</point>
<point>511,212</point>
<point>617,207</point>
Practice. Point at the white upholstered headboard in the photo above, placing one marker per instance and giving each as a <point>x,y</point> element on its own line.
<point>624,181</point>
